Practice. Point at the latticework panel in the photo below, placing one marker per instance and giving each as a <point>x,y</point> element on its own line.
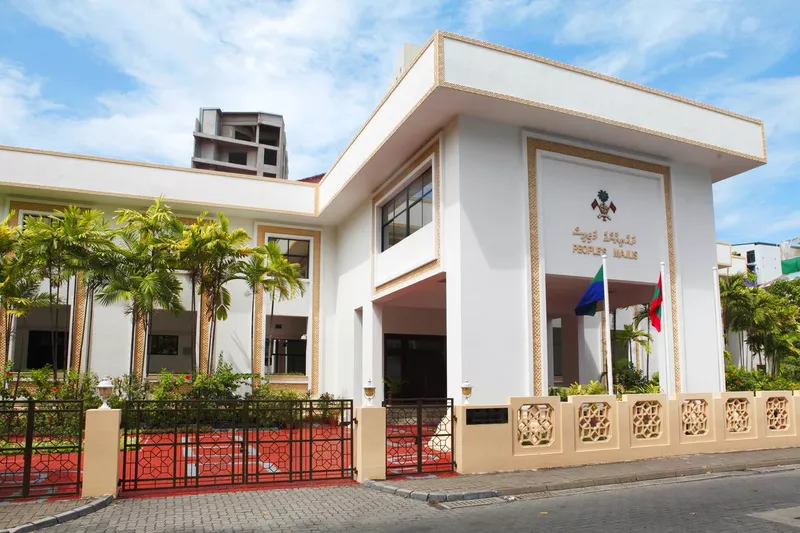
<point>737,415</point>
<point>647,419</point>
<point>694,417</point>
<point>777,413</point>
<point>535,425</point>
<point>594,422</point>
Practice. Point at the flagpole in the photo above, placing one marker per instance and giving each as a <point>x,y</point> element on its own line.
<point>718,324</point>
<point>609,359</point>
<point>666,323</point>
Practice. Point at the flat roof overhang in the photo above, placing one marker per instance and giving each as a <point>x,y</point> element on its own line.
<point>451,77</point>
<point>456,76</point>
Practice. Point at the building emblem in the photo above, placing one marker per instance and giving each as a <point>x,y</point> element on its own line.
<point>603,207</point>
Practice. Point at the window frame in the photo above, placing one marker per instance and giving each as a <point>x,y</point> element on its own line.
<point>22,213</point>
<point>429,163</point>
<point>309,240</point>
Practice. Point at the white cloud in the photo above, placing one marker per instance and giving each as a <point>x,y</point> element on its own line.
<point>323,65</point>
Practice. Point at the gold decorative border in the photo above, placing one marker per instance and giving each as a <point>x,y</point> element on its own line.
<point>430,148</point>
<point>438,60</point>
<point>262,231</point>
<point>534,145</point>
<point>76,351</point>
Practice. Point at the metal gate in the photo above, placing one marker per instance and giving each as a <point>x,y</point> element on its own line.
<point>419,436</point>
<point>189,444</point>
<point>40,448</point>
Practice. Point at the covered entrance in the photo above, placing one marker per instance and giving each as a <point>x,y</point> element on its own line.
<point>415,366</point>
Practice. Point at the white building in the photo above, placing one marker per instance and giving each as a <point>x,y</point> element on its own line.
<point>244,143</point>
<point>762,258</point>
<point>456,232</point>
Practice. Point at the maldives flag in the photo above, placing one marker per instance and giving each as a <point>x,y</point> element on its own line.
<point>655,306</point>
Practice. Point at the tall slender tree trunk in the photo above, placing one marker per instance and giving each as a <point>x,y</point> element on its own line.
<point>134,321</point>
<point>68,332</point>
<point>193,342</point>
<point>88,328</point>
<point>53,320</point>
<point>252,330</point>
<point>269,332</point>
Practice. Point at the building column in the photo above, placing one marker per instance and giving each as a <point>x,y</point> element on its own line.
<point>590,349</point>
<point>550,357</point>
<point>571,339</point>
<point>372,349</point>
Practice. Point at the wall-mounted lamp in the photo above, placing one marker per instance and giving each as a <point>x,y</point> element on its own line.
<point>369,391</point>
<point>466,391</point>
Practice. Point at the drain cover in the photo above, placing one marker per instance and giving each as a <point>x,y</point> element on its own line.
<point>471,503</point>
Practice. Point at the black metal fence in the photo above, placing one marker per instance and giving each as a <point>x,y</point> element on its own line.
<point>419,436</point>
<point>40,448</point>
<point>189,444</point>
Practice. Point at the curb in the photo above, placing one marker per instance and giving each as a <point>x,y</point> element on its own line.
<point>439,496</point>
<point>47,521</point>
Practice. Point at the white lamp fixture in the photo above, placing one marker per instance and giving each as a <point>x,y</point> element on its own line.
<point>466,390</point>
<point>369,391</point>
<point>104,389</point>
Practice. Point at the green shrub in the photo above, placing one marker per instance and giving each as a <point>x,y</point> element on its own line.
<point>627,377</point>
<point>739,379</point>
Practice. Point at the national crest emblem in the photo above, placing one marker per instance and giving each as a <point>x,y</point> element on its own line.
<point>603,207</point>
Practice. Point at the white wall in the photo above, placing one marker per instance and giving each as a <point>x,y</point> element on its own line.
<point>487,257</point>
<point>109,178</point>
<point>351,291</point>
<point>695,242</point>
<point>412,252</point>
<point>568,187</point>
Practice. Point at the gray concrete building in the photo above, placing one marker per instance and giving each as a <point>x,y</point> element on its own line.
<point>250,143</point>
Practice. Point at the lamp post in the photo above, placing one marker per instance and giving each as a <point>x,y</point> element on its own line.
<point>466,391</point>
<point>369,391</point>
<point>104,389</point>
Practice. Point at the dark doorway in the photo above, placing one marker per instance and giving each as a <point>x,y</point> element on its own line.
<point>40,349</point>
<point>415,366</point>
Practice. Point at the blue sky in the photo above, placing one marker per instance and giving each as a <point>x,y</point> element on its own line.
<point>126,79</point>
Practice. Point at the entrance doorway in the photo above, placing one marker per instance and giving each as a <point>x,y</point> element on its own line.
<point>415,366</point>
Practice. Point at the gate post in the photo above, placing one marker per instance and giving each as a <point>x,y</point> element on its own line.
<point>370,443</point>
<point>101,447</point>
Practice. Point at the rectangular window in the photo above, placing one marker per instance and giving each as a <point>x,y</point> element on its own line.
<point>242,136</point>
<point>751,257</point>
<point>164,344</point>
<point>40,349</point>
<point>408,211</point>
<point>239,158</point>
<point>296,251</point>
<point>48,218</point>
<point>270,157</point>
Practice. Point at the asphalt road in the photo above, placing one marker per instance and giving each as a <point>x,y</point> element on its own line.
<point>707,504</point>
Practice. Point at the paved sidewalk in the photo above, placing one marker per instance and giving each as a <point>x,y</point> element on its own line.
<point>453,488</point>
<point>41,513</point>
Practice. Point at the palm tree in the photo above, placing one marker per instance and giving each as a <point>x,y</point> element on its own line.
<point>283,282</point>
<point>631,335</point>
<point>225,249</point>
<point>266,267</point>
<point>192,257</point>
<point>144,267</point>
<point>736,305</point>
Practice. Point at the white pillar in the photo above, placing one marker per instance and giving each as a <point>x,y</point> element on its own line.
<point>590,349</point>
<point>372,349</point>
<point>550,357</point>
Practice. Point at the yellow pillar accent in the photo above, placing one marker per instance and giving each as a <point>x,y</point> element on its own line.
<point>370,443</point>
<point>258,335</point>
<point>78,314</point>
<point>101,452</point>
<point>205,326</point>
<point>139,343</point>
<point>3,324</point>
